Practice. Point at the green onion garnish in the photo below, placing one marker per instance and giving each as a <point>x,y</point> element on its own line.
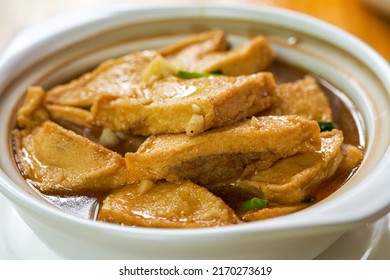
<point>195,75</point>
<point>326,126</point>
<point>254,203</point>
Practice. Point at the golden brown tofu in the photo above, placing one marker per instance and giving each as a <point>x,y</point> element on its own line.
<point>178,105</point>
<point>32,113</point>
<point>303,98</point>
<point>251,57</point>
<point>292,179</point>
<point>187,52</point>
<point>115,77</point>
<point>352,157</point>
<point>69,114</point>
<point>58,161</point>
<point>227,151</point>
<point>207,52</point>
<point>179,205</point>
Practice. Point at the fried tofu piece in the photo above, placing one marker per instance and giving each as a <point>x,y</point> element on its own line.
<point>207,52</point>
<point>114,77</point>
<point>225,153</point>
<point>58,161</point>
<point>251,57</point>
<point>303,98</point>
<point>187,52</point>
<point>166,205</point>
<point>352,157</point>
<point>215,101</point>
<point>292,179</point>
<point>74,115</point>
<point>32,113</point>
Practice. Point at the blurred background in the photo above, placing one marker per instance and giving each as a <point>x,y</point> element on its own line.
<point>367,19</point>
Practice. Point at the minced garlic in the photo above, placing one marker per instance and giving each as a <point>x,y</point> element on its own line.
<point>145,185</point>
<point>108,138</point>
<point>196,109</point>
<point>195,125</point>
<point>158,68</point>
<point>255,122</point>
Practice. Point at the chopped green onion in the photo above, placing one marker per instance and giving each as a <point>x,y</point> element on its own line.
<point>254,203</point>
<point>326,126</point>
<point>195,75</point>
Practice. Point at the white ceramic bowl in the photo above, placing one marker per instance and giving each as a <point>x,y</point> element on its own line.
<point>62,47</point>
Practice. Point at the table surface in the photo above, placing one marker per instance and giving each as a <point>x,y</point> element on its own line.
<point>354,16</point>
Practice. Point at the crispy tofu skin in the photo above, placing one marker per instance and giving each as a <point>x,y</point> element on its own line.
<point>219,101</point>
<point>252,57</point>
<point>292,179</point>
<point>115,77</point>
<point>32,113</point>
<point>179,205</point>
<point>227,151</point>
<point>207,52</point>
<point>73,115</point>
<point>303,98</point>
<point>58,161</point>
<point>187,52</point>
<point>352,157</point>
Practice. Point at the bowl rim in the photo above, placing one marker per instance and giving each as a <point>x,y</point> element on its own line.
<point>111,16</point>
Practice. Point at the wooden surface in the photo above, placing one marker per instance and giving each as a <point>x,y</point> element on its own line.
<point>353,16</point>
